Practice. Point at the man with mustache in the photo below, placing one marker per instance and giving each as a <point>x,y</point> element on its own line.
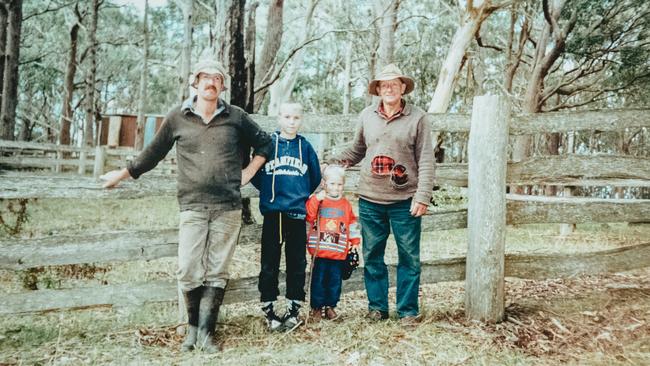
<point>209,135</point>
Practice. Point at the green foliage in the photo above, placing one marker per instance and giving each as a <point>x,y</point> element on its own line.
<point>422,40</point>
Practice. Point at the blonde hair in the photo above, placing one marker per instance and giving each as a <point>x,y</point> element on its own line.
<point>333,171</point>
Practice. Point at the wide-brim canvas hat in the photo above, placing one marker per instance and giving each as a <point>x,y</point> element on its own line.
<point>210,67</point>
<point>391,72</point>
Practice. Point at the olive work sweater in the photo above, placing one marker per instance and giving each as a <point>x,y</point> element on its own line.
<point>209,156</point>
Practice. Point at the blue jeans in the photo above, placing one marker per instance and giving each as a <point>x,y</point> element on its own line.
<point>376,223</point>
<point>326,280</point>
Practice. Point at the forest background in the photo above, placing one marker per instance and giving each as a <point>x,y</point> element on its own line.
<point>68,62</point>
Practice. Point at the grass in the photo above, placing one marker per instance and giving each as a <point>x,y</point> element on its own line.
<point>606,316</point>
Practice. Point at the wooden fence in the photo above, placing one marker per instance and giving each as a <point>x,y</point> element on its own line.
<point>64,158</point>
<point>559,170</point>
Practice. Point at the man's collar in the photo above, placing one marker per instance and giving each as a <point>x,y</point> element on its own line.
<point>405,109</point>
<point>189,103</point>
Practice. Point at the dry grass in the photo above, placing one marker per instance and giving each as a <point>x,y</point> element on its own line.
<point>585,320</point>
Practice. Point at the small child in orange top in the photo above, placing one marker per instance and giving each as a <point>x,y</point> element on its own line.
<point>332,231</point>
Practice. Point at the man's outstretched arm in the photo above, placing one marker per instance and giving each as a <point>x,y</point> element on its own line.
<point>113,178</point>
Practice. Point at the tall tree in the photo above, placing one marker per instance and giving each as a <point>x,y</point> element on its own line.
<point>91,76</point>
<point>281,89</point>
<point>142,97</point>
<point>70,71</point>
<point>473,15</point>
<point>236,59</point>
<point>3,43</point>
<point>272,42</point>
<point>187,8</point>
<point>249,54</point>
<point>10,80</point>
<point>387,13</point>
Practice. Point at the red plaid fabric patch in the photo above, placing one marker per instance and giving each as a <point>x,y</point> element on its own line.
<point>382,165</point>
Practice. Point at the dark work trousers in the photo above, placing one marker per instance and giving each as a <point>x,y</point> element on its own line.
<point>279,227</point>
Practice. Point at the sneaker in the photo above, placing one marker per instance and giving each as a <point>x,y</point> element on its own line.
<point>329,313</point>
<point>292,317</point>
<point>273,322</point>
<point>376,315</point>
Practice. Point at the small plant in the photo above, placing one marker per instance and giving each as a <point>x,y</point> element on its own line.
<point>20,213</point>
<point>29,278</point>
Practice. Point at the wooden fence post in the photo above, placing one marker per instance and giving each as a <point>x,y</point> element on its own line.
<point>486,220</point>
<point>59,157</point>
<point>100,160</point>
<point>82,162</point>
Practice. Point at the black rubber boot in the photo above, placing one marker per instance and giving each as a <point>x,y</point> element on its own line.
<point>192,302</point>
<point>208,313</point>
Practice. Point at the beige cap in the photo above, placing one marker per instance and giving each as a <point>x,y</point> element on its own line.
<point>391,72</point>
<point>207,66</point>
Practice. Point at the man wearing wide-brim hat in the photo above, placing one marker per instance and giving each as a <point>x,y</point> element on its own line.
<point>209,134</point>
<point>395,188</point>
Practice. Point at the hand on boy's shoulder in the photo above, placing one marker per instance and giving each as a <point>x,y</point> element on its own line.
<point>320,195</point>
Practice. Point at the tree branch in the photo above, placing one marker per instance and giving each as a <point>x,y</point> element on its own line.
<point>47,10</point>
<point>278,71</point>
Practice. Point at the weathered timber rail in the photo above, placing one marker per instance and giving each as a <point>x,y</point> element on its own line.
<point>563,170</point>
<point>123,246</point>
<point>533,266</point>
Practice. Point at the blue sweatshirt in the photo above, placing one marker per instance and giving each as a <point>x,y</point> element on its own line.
<point>290,175</point>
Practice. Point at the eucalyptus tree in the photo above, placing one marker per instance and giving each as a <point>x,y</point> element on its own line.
<point>10,76</point>
<point>142,95</point>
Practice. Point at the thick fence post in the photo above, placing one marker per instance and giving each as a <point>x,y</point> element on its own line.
<point>486,220</point>
<point>100,160</point>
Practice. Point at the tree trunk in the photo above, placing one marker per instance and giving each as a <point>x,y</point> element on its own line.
<point>186,7</point>
<point>3,44</point>
<point>544,58</point>
<point>10,80</point>
<point>249,54</point>
<point>236,59</point>
<point>272,42</point>
<point>471,23</point>
<point>281,89</point>
<point>91,77</point>
<point>142,100</point>
<point>71,70</point>
<point>388,24</point>
<point>347,76</point>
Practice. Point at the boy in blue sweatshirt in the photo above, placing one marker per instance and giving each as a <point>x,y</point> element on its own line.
<point>289,177</point>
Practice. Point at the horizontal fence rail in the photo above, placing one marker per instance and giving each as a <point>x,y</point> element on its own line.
<point>578,170</point>
<point>601,120</point>
<point>526,266</point>
<point>146,245</point>
<point>57,157</point>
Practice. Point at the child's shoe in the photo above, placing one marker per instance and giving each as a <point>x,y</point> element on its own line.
<point>315,315</point>
<point>292,318</point>
<point>273,322</point>
<point>329,313</point>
